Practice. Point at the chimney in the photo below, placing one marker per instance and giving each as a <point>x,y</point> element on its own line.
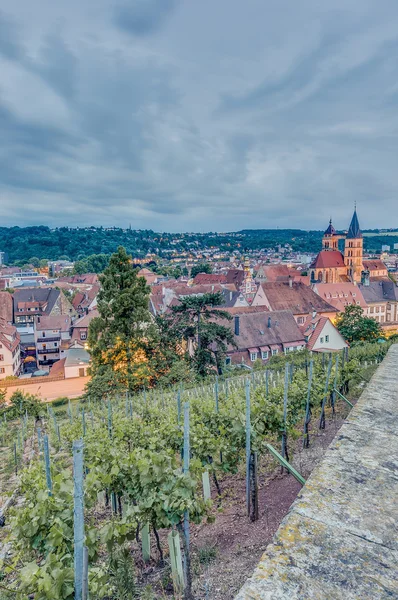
<point>269,321</point>
<point>290,281</point>
<point>237,324</point>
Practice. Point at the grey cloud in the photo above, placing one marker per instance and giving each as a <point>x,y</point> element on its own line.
<point>142,17</point>
<point>146,129</point>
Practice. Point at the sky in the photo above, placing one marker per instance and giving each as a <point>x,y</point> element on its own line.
<point>198,115</point>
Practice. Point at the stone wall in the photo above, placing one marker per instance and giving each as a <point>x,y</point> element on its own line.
<point>339,540</point>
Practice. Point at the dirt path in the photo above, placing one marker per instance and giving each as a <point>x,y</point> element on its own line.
<point>233,544</point>
<point>73,388</point>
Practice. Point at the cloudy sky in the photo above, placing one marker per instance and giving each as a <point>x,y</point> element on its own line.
<point>198,114</point>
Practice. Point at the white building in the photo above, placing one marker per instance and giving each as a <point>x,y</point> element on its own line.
<point>52,337</point>
<point>10,351</point>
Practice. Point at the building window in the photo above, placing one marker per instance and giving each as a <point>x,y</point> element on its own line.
<point>55,344</point>
<point>326,338</point>
<point>321,340</point>
<point>300,320</point>
<point>2,370</point>
<point>264,355</point>
<point>274,351</point>
<point>43,334</point>
<point>83,335</point>
<point>228,360</point>
<point>1,357</point>
<point>253,356</point>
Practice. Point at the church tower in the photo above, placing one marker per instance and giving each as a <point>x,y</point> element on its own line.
<point>330,238</point>
<point>353,251</point>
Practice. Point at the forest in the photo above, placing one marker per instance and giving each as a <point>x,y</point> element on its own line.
<point>23,243</point>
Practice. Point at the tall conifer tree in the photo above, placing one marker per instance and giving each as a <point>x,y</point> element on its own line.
<point>120,337</point>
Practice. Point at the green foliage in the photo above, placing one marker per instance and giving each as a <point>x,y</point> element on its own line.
<point>195,320</point>
<point>21,402</point>
<point>354,327</point>
<point>123,575</point>
<point>140,462</point>
<point>120,337</point>
<point>207,554</point>
<point>62,401</point>
<point>201,268</point>
<point>95,263</point>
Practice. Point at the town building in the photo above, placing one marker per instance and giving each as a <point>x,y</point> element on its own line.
<point>297,298</point>
<point>259,334</point>
<point>10,352</point>
<point>341,295</point>
<point>52,338</point>
<point>322,336</point>
<point>80,327</point>
<point>30,303</point>
<point>381,298</point>
<point>332,266</point>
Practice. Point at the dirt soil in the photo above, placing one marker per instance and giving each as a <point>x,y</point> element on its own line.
<point>238,543</point>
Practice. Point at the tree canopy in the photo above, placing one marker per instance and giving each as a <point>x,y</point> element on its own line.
<point>121,338</point>
<point>355,327</point>
<point>194,325</point>
<point>201,268</point>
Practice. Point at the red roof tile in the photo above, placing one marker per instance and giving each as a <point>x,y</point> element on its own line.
<point>327,259</point>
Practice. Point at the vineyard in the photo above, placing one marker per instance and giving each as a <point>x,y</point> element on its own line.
<point>109,492</point>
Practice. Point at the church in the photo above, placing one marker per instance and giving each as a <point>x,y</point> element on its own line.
<point>332,266</point>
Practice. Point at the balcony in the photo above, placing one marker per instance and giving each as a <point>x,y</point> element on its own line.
<point>49,351</point>
<point>44,340</point>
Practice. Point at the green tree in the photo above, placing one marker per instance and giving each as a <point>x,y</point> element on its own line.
<point>95,263</point>
<point>201,268</point>
<point>120,338</point>
<point>194,325</point>
<point>354,327</point>
<point>34,261</point>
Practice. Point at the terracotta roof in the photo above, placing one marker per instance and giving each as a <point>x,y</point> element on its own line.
<point>6,306</point>
<point>296,297</point>
<point>320,324</point>
<point>235,276</point>
<point>327,259</point>
<point>149,276</point>
<point>374,265</point>
<point>238,310</point>
<point>254,331</point>
<point>340,295</point>
<point>8,331</point>
<point>58,368</point>
<point>208,278</point>
<point>88,278</point>
<point>61,322</point>
<point>85,320</point>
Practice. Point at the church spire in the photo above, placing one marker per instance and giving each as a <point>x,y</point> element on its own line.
<point>354,231</point>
